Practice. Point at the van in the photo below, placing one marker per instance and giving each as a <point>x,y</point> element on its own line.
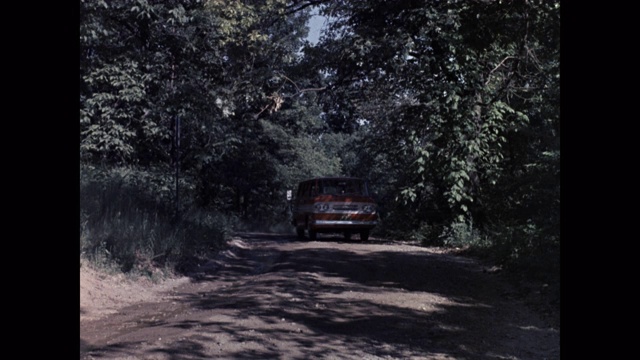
<point>334,205</point>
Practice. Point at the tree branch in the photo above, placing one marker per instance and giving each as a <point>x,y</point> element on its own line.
<point>292,8</point>
<point>277,100</point>
<point>300,91</point>
<point>497,67</point>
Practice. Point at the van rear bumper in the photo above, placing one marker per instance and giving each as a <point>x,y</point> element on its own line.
<point>359,223</point>
<point>335,226</point>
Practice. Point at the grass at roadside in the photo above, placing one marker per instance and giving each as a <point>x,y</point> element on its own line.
<point>128,225</point>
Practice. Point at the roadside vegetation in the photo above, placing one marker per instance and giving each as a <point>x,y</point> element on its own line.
<point>196,117</point>
<point>127,226</point>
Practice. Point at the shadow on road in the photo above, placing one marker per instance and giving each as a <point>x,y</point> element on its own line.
<point>350,300</point>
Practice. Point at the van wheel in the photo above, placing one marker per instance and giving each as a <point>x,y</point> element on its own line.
<point>312,234</point>
<point>364,235</point>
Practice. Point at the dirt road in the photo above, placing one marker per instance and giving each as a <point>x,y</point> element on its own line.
<point>274,297</point>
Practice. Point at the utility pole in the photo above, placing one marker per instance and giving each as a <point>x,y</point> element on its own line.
<point>176,143</point>
<point>177,164</point>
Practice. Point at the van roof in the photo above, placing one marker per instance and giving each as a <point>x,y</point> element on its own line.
<point>333,178</point>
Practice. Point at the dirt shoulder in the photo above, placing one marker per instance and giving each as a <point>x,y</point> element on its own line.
<point>102,293</point>
<point>271,296</point>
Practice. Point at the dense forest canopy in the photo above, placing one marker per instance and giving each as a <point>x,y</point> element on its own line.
<point>451,110</point>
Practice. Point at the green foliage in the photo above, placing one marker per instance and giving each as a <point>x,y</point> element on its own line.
<point>463,100</point>
<point>463,234</point>
<point>112,115</point>
<point>272,156</point>
<point>230,73</point>
<point>450,109</point>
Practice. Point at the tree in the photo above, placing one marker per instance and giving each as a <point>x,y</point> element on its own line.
<point>453,92</point>
<point>446,105</point>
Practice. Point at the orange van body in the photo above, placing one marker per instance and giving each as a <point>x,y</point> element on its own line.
<point>334,205</point>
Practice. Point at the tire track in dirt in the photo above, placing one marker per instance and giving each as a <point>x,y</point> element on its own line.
<point>270,296</point>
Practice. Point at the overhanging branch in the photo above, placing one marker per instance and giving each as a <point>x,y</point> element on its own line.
<point>276,99</point>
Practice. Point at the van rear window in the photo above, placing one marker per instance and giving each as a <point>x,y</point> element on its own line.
<point>343,187</point>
